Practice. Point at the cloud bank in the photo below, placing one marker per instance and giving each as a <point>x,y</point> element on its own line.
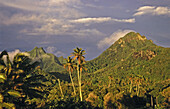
<point>108,41</point>
<point>152,10</point>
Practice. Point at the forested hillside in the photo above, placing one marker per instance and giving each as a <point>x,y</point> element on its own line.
<point>48,62</point>
<point>133,73</point>
<point>134,54</point>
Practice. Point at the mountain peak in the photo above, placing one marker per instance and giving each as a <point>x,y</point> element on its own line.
<point>134,36</point>
<point>122,49</point>
<point>41,49</point>
<point>36,52</point>
<point>132,40</point>
<point>48,62</point>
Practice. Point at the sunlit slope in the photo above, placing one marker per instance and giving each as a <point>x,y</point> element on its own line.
<point>132,54</point>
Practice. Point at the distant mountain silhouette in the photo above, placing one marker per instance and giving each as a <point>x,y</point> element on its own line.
<point>48,61</point>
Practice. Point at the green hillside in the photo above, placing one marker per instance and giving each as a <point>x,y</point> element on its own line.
<point>133,54</point>
<point>133,73</point>
<point>48,61</point>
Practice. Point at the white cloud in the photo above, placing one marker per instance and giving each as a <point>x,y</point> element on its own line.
<point>101,20</point>
<point>51,49</point>
<point>60,53</point>
<point>42,17</point>
<point>65,29</point>
<point>12,54</point>
<point>125,20</point>
<point>53,29</point>
<point>81,33</point>
<point>152,10</point>
<point>89,20</point>
<point>49,24</point>
<point>108,41</point>
<point>23,5</point>
<point>38,5</point>
<point>23,19</point>
<point>59,8</point>
<point>66,2</point>
<point>40,9</point>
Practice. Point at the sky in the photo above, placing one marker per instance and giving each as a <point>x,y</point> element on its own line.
<point>59,26</point>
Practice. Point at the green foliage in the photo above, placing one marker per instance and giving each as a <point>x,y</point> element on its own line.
<point>7,105</point>
<point>14,93</point>
<point>48,62</point>
<point>20,82</point>
<point>70,103</point>
<point>132,73</point>
<point>131,55</point>
<point>2,78</point>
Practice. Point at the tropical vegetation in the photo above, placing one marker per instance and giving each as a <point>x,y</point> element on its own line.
<point>133,73</point>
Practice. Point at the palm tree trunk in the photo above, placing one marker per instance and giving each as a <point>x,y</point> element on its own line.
<point>151,101</point>
<point>109,83</point>
<point>72,82</point>
<point>81,98</point>
<point>60,88</point>
<point>157,101</point>
<point>138,89</point>
<point>130,86</point>
<point>79,81</point>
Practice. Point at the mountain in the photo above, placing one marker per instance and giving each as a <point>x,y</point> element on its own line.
<point>48,61</point>
<point>132,54</point>
<point>132,73</point>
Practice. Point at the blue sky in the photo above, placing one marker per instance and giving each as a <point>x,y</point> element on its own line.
<point>61,25</point>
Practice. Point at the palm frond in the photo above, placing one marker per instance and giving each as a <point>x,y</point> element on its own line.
<point>1,98</point>
<point>34,93</point>
<point>3,76</point>
<point>8,105</point>
<point>34,78</point>
<point>35,84</point>
<point>14,93</point>
<point>3,53</point>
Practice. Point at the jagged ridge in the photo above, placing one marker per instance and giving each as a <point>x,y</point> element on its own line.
<point>48,61</point>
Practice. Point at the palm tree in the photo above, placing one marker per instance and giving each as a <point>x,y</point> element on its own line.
<point>70,65</point>
<point>78,54</point>
<point>24,69</point>
<point>3,79</point>
<point>20,79</point>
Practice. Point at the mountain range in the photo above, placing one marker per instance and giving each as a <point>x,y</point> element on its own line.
<point>132,54</point>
